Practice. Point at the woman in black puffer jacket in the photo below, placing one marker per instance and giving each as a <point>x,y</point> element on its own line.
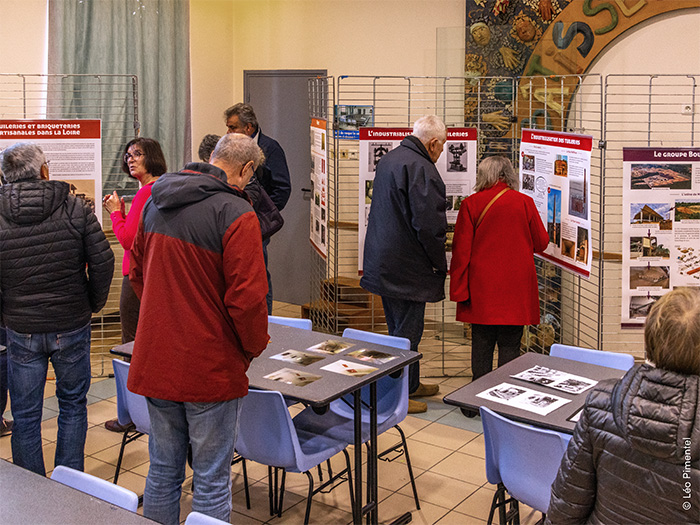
<point>635,453</point>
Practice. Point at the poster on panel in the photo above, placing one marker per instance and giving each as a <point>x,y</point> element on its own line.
<point>318,229</point>
<point>555,170</point>
<point>456,166</point>
<point>72,147</point>
<point>660,226</point>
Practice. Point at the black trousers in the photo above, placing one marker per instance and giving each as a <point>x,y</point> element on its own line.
<point>484,339</point>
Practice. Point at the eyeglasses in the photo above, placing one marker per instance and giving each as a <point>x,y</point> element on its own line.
<point>136,155</point>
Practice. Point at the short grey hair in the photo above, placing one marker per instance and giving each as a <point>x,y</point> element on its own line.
<point>494,169</point>
<point>237,148</point>
<point>244,112</point>
<point>429,127</point>
<point>22,161</point>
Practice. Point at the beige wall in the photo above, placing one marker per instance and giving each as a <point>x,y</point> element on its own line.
<point>23,36</point>
<point>345,37</point>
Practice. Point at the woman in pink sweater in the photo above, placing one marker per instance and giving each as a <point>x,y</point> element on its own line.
<point>143,160</point>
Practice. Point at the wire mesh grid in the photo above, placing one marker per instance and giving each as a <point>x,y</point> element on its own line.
<point>498,107</point>
<point>114,100</point>
<point>640,111</point>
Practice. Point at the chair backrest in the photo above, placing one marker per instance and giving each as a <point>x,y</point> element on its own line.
<point>525,459</point>
<point>197,518</point>
<point>134,405</point>
<point>96,487</point>
<point>266,433</point>
<point>593,357</point>
<point>392,392</point>
<point>304,324</point>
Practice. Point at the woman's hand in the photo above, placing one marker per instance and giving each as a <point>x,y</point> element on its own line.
<point>113,203</point>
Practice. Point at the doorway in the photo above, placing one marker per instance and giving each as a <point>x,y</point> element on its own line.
<point>280,99</point>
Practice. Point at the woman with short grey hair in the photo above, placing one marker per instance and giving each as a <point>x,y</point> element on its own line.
<point>492,275</point>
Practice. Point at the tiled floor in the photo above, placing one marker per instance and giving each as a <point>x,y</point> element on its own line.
<point>446,449</point>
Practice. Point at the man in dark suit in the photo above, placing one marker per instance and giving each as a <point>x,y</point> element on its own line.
<point>273,174</point>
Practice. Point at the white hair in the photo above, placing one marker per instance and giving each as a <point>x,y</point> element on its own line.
<point>22,161</point>
<point>429,127</point>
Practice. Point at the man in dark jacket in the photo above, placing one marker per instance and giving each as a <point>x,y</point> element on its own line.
<point>635,453</point>
<point>273,174</point>
<point>56,267</point>
<point>198,269</point>
<point>404,256</point>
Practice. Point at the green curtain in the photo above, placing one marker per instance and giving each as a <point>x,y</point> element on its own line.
<point>146,38</point>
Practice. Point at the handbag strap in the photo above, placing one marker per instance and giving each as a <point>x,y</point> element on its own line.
<point>481,217</point>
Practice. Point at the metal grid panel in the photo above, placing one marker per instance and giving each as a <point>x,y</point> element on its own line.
<point>492,105</point>
<point>640,111</point>
<point>114,100</point>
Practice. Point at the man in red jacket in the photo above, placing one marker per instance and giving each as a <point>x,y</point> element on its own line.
<point>198,269</point>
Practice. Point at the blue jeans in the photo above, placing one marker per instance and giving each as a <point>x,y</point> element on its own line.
<point>28,360</point>
<point>405,319</point>
<point>211,429</point>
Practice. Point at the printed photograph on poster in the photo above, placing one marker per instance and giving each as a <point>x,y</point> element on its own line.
<point>561,166</point>
<point>685,210</point>
<point>641,247</point>
<point>653,176</point>
<point>376,151</point>
<point>350,118</point>
<point>369,185</point>
<point>582,245</point>
<point>554,216</point>
<point>528,162</point>
<point>528,182</point>
<point>298,358</point>
<point>652,214</point>
<point>649,277</point>
<point>578,205</point>
<point>458,159</point>
<point>689,261</point>
<point>640,305</point>
<point>568,249</point>
<point>292,377</point>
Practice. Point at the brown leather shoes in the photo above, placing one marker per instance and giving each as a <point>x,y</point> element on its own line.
<point>425,390</point>
<point>417,407</point>
<point>113,426</point>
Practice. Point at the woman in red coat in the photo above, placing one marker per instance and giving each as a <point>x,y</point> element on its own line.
<point>492,275</point>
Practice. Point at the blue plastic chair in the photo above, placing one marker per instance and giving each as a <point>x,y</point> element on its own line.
<point>197,518</point>
<point>593,357</point>
<point>131,408</point>
<point>521,460</point>
<point>392,406</point>
<point>304,324</point>
<point>267,435</point>
<point>96,487</point>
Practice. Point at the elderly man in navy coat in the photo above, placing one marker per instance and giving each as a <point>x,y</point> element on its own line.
<point>404,256</point>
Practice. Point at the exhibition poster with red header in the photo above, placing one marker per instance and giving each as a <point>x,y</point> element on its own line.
<point>660,226</point>
<point>555,170</point>
<point>456,165</point>
<point>72,147</point>
<point>318,229</point>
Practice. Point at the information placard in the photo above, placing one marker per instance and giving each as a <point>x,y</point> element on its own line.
<point>555,170</point>
<point>661,226</point>
<point>72,147</point>
<point>456,165</point>
<point>318,229</point>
